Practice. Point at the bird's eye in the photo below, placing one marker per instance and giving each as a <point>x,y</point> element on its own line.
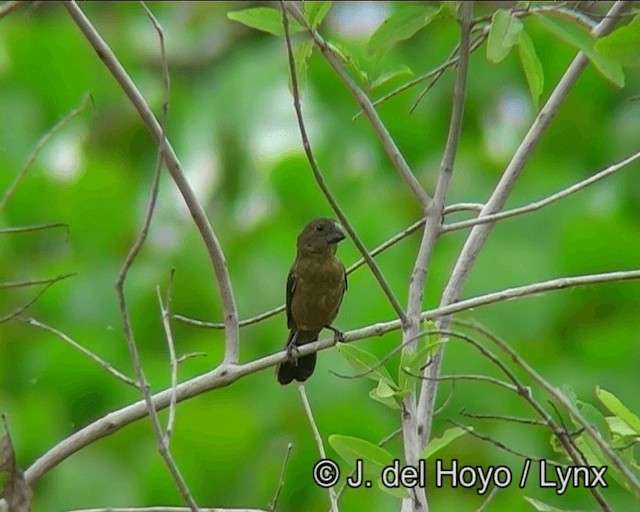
<point>319,227</point>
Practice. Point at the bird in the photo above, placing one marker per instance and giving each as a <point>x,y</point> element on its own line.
<point>315,288</point>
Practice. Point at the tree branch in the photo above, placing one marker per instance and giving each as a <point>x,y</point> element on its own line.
<point>214,249</point>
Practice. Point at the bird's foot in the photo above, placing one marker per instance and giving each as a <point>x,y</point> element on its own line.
<point>338,336</point>
<point>293,353</point>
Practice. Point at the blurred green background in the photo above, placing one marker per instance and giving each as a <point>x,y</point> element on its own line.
<point>233,127</point>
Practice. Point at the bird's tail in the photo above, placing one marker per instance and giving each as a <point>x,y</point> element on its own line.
<point>301,371</point>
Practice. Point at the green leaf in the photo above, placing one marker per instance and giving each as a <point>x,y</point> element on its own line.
<point>437,443</point>
<point>265,19</point>
<point>617,408</point>
<point>314,12</point>
<point>400,26</point>
<point>623,44</point>
<point>301,54</point>
<point>345,56</point>
<point>532,66</point>
<point>412,362</point>
<point>396,492</point>
<point>620,428</point>
<point>362,361</point>
<point>401,70</point>
<point>543,507</point>
<point>595,418</point>
<point>579,37</point>
<point>503,34</point>
<point>352,448</point>
<point>391,403</point>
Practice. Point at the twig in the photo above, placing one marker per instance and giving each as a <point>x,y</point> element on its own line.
<point>496,443</point>
<point>24,307</point>
<point>226,375</point>
<point>165,308</point>
<point>29,229</point>
<point>162,440</point>
<point>630,477</point>
<point>211,242</point>
<point>36,282</point>
<point>318,438</point>
<point>413,431</point>
<point>537,205</point>
<point>36,151</point>
<point>323,186</point>
<point>510,419</point>
<point>479,234</point>
<point>488,499</point>
<point>276,497</point>
<point>435,74</point>
<point>365,104</point>
<point>95,358</point>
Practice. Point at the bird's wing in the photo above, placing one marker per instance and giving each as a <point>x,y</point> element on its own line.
<point>344,270</point>
<point>291,286</point>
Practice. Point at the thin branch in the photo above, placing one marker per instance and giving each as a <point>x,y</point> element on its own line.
<point>165,308</point>
<point>276,497</point>
<point>479,234</point>
<point>16,313</point>
<point>318,438</point>
<point>30,229</point>
<point>77,346</point>
<point>561,398</point>
<point>9,7</point>
<point>226,375</point>
<point>322,184</point>
<point>434,74</point>
<point>509,419</point>
<point>36,282</point>
<point>41,143</point>
<point>413,431</point>
<point>209,238</point>
<point>537,205</point>
<point>367,107</point>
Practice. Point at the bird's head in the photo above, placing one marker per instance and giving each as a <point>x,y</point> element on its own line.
<point>319,237</point>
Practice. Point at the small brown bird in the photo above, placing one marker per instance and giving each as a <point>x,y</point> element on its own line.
<point>315,286</point>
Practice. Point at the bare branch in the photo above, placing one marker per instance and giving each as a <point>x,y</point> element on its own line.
<point>365,104</point>
<point>211,242</point>
<point>24,307</point>
<point>322,184</point>
<point>36,282</point>
<point>165,308</point>
<point>41,143</point>
<point>479,234</point>
<point>412,429</point>
<point>95,358</point>
<point>29,229</point>
<point>537,205</point>
<point>274,502</point>
<point>318,438</point>
<point>226,375</point>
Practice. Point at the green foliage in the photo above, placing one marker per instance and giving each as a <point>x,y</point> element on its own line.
<point>504,33</point>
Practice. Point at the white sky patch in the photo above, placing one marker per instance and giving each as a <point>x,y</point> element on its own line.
<point>357,19</point>
<point>63,156</point>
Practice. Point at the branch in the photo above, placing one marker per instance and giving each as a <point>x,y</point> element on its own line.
<point>226,374</point>
<point>318,439</point>
<point>216,255</point>
<point>537,205</point>
<point>36,151</point>
<point>367,107</point>
<point>412,430</point>
<point>95,358</point>
<point>323,186</point>
<point>479,234</point>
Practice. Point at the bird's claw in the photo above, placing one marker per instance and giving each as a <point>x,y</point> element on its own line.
<point>293,353</point>
<point>338,336</point>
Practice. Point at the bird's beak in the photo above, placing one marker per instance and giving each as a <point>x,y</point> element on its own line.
<point>335,235</point>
